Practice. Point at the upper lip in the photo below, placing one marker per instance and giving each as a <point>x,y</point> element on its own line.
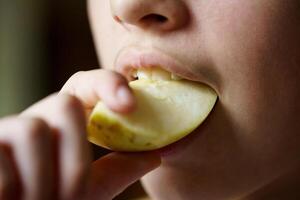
<point>134,58</point>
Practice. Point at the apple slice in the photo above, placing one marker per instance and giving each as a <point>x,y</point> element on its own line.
<point>167,110</point>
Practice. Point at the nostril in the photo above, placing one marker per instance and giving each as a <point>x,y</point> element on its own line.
<point>154,18</point>
<point>150,15</point>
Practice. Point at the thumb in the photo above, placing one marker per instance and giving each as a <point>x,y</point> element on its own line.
<point>113,173</point>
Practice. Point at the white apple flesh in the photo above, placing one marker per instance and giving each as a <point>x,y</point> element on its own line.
<point>168,109</point>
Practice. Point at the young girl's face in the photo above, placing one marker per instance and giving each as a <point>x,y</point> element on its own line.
<point>249,53</point>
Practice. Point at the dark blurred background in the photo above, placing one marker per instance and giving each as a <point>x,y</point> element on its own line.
<point>42,43</point>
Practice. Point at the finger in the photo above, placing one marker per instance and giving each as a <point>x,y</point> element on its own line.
<point>30,141</point>
<point>9,184</point>
<point>65,115</point>
<point>113,173</point>
<point>109,86</point>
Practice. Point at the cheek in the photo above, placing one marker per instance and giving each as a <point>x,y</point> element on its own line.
<point>236,33</point>
<point>105,32</point>
<point>253,45</point>
<point>250,46</point>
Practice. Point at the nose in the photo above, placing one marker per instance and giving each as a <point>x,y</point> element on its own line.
<point>162,15</point>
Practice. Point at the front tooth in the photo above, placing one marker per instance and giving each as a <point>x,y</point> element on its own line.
<point>155,74</point>
<point>144,74</point>
<point>159,74</point>
<point>175,77</point>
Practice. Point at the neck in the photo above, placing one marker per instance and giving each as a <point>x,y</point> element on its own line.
<point>284,187</point>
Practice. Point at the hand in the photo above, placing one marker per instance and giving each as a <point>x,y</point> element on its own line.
<point>44,153</point>
<point>115,171</point>
<point>108,86</point>
<point>45,149</point>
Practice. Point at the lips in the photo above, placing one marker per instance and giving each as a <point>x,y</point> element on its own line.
<point>133,58</point>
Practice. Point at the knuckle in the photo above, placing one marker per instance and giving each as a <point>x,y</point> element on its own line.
<point>25,129</point>
<point>71,82</point>
<point>67,102</point>
<point>34,129</point>
<point>77,75</point>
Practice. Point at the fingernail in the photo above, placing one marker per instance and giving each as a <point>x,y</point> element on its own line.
<point>124,95</point>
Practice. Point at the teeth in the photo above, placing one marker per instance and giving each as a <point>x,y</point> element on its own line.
<point>159,74</point>
<point>154,74</point>
<point>144,74</point>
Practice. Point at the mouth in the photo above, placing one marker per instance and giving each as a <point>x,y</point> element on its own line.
<point>131,60</point>
<point>135,62</point>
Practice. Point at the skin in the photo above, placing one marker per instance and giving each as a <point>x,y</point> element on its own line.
<point>44,153</point>
<point>249,52</point>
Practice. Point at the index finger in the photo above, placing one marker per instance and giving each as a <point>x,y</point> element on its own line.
<point>109,86</point>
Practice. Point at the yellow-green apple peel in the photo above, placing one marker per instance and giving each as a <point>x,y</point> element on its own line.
<point>167,110</point>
